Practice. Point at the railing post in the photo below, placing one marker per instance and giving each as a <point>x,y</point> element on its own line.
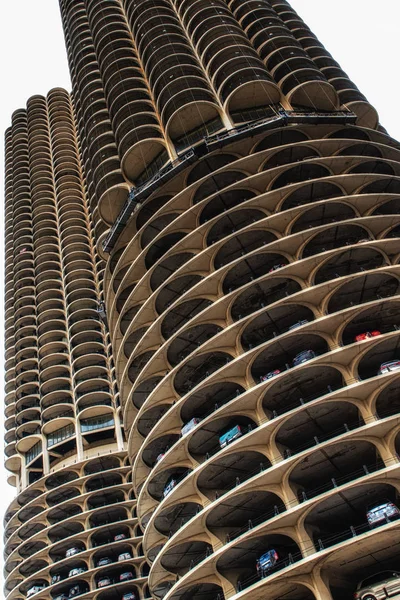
<point>250,524</point>
<point>320,544</point>
<point>334,483</point>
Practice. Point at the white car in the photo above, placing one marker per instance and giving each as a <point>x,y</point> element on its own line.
<point>72,551</point>
<point>35,589</point>
<point>190,425</point>
<point>387,367</point>
<point>124,556</point>
<point>76,571</point>
<point>382,512</point>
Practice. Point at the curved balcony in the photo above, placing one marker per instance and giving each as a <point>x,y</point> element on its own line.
<point>252,348</point>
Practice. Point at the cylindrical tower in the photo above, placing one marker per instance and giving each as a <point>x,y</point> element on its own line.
<point>252,297</point>
<point>253,302</point>
<point>74,512</point>
<point>154,77</point>
<point>246,201</point>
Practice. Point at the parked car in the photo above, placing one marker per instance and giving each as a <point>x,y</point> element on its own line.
<point>103,582</point>
<point>55,579</point>
<point>233,434</point>
<point>276,267</point>
<point>119,536</point>
<point>76,571</point>
<point>387,367</point>
<point>266,562</point>
<point>129,596</point>
<point>35,589</point>
<point>298,324</point>
<point>61,597</point>
<point>366,335</point>
<point>102,562</point>
<point>303,357</point>
<point>124,556</point>
<point>190,425</point>
<point>159,457</point>
<point>385,584</point>
<point>76,590</point>
<point>270,375</point>
<point>126,576</point>
<point>387,510</point>
<point>169,486</point>
<point>72,551</point>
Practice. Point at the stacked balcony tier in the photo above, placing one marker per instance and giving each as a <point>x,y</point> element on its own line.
<point>254,314</point>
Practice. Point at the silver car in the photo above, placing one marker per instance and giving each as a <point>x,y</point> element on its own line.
<point>382,512</point>
<point>385,584</point>
<point>387,367</point>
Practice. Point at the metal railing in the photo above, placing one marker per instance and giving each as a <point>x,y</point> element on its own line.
<point>210,143</point>
<point>319,545</point>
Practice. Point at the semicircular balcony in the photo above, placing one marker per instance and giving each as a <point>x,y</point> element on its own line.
<point>276,317</point>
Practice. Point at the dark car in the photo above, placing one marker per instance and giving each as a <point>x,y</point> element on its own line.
<point>61,597</point>
<point>119,536</point>
<point>103,582</point>
<point>266,562</point>
<point>129,596</point>
<point>76,590</point>
<point>126,576</point>
<point>303,357</point>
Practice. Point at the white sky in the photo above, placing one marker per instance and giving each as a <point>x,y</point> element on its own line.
<point>363,39</point>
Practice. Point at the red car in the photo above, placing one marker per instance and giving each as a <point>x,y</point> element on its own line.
<point>367,334</point>
<point>270,375</point>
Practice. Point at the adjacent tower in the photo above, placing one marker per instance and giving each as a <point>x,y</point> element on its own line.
<point>65,445</point>
<point>245,209</point>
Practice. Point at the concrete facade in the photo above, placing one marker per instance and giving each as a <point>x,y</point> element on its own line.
<point>244,208</point>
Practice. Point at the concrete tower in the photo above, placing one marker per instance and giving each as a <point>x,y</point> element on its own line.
<point>65,445</point>
<point>245,209</point>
